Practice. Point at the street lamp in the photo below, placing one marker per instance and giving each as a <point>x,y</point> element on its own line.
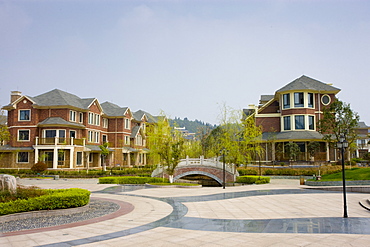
<point>343,144</point>
<point>223,169</point>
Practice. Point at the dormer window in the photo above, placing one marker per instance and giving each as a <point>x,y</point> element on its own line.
<point>24,115</point>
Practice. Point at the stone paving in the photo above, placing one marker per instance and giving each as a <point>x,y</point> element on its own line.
<point>277,214</point>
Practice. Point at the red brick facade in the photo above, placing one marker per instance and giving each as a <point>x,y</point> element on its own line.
<point>69,134</point>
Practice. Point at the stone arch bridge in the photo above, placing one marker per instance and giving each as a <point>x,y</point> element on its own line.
<point>211,168</point>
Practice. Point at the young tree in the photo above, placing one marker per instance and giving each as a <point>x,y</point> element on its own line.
<point>313,148</point>
<point>230,134</point>
<point>104,152</point>
<point>4,132</point>
<point>251,139</point>
<point>339,119</point>
<point>292,149</point>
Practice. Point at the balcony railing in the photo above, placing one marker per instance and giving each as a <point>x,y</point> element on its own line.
<point>59,141</point>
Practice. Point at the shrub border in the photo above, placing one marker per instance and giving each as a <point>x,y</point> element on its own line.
<point>55,199</point>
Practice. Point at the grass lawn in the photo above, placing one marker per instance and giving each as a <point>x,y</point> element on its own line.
<point>351,174</point>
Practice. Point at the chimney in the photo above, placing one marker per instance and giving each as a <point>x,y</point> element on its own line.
<point>15,95</point>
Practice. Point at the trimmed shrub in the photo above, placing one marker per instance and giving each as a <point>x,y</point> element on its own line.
<point>39,167</point>
<point>252,180</point>
<point>130,180</point>
<point>246,171</point>
<point>54,199</point>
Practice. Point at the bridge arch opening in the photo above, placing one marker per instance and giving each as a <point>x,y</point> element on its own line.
<point>204,178</point>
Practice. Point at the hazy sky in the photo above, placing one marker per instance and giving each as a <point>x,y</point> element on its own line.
<point>184,57</point>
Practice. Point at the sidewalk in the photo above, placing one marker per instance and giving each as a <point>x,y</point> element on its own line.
<point>276,214</point>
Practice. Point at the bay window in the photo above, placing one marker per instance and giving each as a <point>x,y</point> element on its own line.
<point>298,100</point>
<point>299,122</point>
<point>287,123</point>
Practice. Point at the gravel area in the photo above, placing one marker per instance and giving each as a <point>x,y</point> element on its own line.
<point>96,208</point>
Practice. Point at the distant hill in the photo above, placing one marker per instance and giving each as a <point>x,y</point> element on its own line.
<point>195,126</point>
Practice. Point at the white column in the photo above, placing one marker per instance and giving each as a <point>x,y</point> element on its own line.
<point>128,159</point>
<point>327,151</point>
<point>71,157</point>
<point>36,155</point>
<point>55,158</point>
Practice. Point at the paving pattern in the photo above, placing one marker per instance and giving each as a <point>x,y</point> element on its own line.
<point>277,214</point>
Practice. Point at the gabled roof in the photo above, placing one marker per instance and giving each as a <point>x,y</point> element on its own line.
<point>139,115</point>
<point>113,110</point>
<point>307,83</point>
<point>135,131</point>
<point>150,117</point>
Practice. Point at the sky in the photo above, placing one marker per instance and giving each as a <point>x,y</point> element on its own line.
<point>187,58</point>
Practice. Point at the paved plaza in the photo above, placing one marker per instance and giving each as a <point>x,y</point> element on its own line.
<point>281,213</point>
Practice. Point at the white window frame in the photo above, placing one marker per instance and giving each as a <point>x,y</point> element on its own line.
<point>29,135</point>
<point>308,122</point>
<point>97,119</point>
<point>29,115</point>
<point>77,158</point>
<point>127,140</point>
<point>105,123</point>
<point>97,137</point>
<point>81,117</point>
<point>72,131</point>
<point>322,97</point>
<point>72,116</point>
<point>127,123</point>
<point>290,123</point>
<point>23,162</point>
<point>104,137</point>
<point>91,118</point>
<point>304,121</point>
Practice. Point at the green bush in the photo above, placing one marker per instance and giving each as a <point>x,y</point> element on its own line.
<point>246,171</point>
<point>252,180</point>
<point>54,199</point>
<point>39,167</point>
<point>130,180</point>
<point>22,193</point>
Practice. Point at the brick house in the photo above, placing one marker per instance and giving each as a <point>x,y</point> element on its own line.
<point>363,141</point>
<point>65,131</point>
<point>291,115</point>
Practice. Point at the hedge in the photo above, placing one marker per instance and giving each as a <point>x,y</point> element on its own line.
<point>252,180</point>
<point>131,180</point>
<point>55,199</point>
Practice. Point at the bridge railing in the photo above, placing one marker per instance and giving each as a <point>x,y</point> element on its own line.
<point>199,162</point>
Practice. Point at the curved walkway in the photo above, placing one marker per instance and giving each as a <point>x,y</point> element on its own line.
<point>278,214</point>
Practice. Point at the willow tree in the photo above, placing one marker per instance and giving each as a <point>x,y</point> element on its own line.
<point>229,136</point>
<point>166,145</point>
<point>251,140</point>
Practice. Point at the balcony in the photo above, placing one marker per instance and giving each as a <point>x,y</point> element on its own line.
<point>59,141</point>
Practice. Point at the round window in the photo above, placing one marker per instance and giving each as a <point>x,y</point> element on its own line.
<point>325,99</point>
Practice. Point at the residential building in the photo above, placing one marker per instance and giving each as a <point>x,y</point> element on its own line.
<point>65,131</point>
<point>363,141</point>
<point>291,115</point>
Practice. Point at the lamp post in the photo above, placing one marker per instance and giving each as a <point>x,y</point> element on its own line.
<point>343,144</point>
<point>223,169</point>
